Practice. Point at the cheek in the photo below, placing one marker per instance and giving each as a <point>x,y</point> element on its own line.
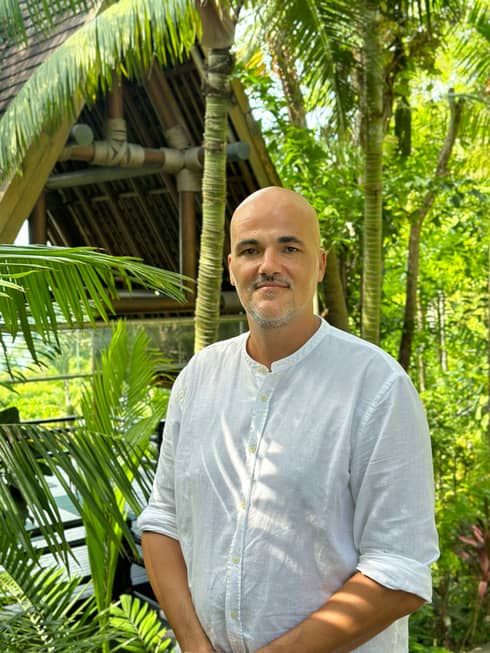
<point>242,275</point>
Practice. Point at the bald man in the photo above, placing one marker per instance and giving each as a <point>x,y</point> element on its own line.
<point>292,507</point>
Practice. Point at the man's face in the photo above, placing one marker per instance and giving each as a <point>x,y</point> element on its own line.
<point>276,260</point>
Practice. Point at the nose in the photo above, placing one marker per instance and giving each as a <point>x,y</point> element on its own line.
<point>269,264</point>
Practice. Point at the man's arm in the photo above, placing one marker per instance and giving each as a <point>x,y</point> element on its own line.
<point>358,611</point>
<point>167,573</point>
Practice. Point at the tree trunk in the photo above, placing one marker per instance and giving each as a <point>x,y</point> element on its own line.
<point>218,36</point>
<point>373,171</point>
<point>220,66</point>
<point>420,353</point>
<point>405,350</point>
<point>336,312</point>
<point>441,330</point>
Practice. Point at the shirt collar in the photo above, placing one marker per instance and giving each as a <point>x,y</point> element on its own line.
<point>291,360</point>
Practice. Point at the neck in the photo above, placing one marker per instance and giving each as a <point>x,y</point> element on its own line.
<point>266,346</point>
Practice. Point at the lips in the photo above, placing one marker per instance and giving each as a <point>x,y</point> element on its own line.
<point>270,284</point>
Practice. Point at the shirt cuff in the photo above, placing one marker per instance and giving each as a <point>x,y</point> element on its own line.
<point>152,519</point>
<point>397,573</point>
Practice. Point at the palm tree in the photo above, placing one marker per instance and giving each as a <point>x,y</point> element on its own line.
<point>127,32</point>
<point>100,465</point>
<point>373,173</point>
<point>218,36</point>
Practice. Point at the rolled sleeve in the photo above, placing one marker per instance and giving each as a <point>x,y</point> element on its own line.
<point>159,516</point>
<point>398,573</point>
<point>152,519</point>
<point>394,525</point>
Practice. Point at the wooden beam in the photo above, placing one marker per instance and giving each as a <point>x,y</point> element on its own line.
<point>20,193</point>
<point>38,222</point>
<point>248,131</point>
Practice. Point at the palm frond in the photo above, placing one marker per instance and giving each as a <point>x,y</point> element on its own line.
<point>80,282</point>
<point>117,401</point>
<point>471,48</point>
<point>42,609</point>
<point>126,37</point>
<point>324,66</point>
<point>120,415</point>
<point>138,626</point>
<point>472,51</point>
<point>87,466</point>
<point>22,466</point>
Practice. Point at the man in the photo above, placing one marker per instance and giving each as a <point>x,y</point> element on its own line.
<point>293,502</point>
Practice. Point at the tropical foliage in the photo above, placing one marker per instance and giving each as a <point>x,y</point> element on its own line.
<point>40,286</point>
<point>100,464</point>
<point>317,96</point>
<point>431,169</point>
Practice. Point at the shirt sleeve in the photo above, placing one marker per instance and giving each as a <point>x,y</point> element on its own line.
<point>159,516</point>
<point>393,488</point>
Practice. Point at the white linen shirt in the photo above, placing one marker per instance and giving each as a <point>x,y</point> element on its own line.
<point>280,484</point>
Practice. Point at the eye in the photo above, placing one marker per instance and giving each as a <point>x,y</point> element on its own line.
<point>249,251</point>
<point>290,249</point>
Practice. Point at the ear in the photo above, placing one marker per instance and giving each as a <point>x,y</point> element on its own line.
<point>232,280</point>
<point>322,264</point>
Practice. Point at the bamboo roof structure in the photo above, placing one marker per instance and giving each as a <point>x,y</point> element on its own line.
<point>143,209</point>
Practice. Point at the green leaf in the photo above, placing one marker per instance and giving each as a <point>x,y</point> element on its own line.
<point>139,626</point>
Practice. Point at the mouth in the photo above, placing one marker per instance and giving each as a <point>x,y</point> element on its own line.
<point>269,283</point>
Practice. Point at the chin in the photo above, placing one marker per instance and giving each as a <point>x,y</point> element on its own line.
<point>270,320</point>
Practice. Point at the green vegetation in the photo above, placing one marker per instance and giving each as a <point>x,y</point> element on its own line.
<point>315,74</point>
<point>101,463</point>
<point>435,227</point>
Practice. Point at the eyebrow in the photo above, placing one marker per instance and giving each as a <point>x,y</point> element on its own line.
<point>290,239</point>
<point>247,242</point>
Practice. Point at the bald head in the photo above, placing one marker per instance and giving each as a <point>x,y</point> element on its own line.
<point>276,260</point>
<point>273,200</point>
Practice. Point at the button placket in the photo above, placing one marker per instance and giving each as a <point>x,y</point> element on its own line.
<point>234,571</point>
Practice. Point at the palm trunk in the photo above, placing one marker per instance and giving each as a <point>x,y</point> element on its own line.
<point>373,177</point>
<point>220,66</point>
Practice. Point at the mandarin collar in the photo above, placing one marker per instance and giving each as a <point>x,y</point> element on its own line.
<point>291,360</point>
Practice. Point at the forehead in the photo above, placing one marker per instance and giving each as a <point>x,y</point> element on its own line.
<point>258,220</point>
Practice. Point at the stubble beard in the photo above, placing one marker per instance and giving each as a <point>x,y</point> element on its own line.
<point>269,322</point>
<point>256,315</point>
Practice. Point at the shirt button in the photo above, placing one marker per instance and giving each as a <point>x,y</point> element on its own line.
<point>252,448</point>
<point>242,505</point>
<point>235,560</point>
<point>263,397</point>
<point>234,615</point>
